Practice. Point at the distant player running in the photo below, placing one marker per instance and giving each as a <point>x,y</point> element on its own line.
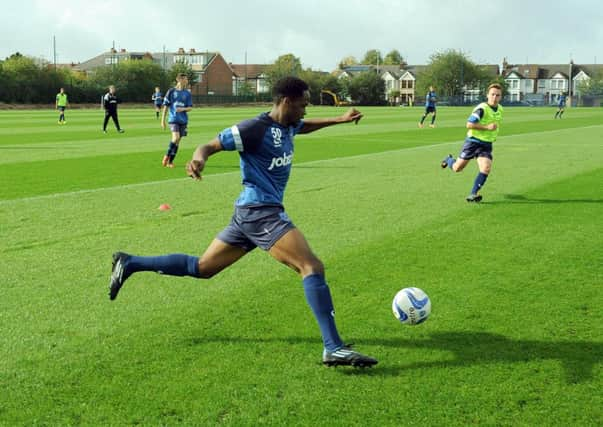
<point>265,147</point>
<point>483,125</point>
<point>560,105</point>
<point>157,99</point>
<point>430,107</point>
<point>179,101</point>
<point>61,104</point>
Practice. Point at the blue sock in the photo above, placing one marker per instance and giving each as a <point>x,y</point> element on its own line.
<point>450,161</point>
<point>173,265</point>
<point>480,180</point>
<point>170,149</point>
<point>319,299</point>
<point>174,152</point>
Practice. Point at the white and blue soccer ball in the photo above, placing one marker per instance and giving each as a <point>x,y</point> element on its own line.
<point>411,306</point>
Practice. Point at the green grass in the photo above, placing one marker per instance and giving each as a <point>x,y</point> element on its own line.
<point>515,336</point>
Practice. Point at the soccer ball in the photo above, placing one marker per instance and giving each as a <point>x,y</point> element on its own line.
<point>411,306</point>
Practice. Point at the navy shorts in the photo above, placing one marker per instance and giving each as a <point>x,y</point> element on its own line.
<point>61,109</point>
<point>430,110</point>
<point>472,149</point>
<point>255,226</point>
<point>180,128</point>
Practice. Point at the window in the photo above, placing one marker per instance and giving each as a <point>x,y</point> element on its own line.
<point>111,60</point>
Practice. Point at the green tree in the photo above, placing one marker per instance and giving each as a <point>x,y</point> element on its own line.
<point>347,61</point>
<point>450,72</point>
<point>591,87</point>
<point>135,80</point>
<point>393,58</point>
<point>181,67</point>
<point>21,74</point>
<point>244,89</point>
<point>372,57</point>
<point>285,65</point>
<point>367,88</point>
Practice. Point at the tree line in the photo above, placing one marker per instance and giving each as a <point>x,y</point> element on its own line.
<point>25,80</point>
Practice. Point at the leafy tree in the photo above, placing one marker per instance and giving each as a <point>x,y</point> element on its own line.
<point>591,87</point>
<point>245,89</point>
<point>367,88</point>
<point>347,61</point>
<point>393,58</point>
<point>372,57</point>
<point>135,80</point>
<point>20,73</point>
<point>450,72</point>
<point>285,65</point>
<point>181,67</point>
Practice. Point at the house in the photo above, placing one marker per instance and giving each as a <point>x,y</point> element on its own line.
<point>542,84</point>
<point>252,74</point>
<point>214,75</point>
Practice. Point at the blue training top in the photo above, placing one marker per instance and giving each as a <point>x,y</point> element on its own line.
<point>430,99</point>
<point>561,101</point>
<point>175,98</point>
<point>266,150</point>
<point>157,98</point>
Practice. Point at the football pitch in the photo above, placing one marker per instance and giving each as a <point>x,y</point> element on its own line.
<point>516,331</point>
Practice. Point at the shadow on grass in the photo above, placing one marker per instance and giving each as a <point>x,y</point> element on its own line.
<point>519,199</point>
<point>578,358</point>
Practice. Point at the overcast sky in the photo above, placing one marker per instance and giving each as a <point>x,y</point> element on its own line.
<point>319,32</point>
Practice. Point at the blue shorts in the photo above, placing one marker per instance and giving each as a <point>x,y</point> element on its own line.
<point>251,227</point>
<point>430,110</point>
<point>158,105</point>
<point>180,128</point>
<point>472,149</point>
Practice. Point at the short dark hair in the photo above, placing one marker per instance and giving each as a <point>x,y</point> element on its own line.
<point>495,86</point>
<point>290,87</point>
<point>180,75</point>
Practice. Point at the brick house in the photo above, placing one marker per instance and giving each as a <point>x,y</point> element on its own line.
<point>214,75</point>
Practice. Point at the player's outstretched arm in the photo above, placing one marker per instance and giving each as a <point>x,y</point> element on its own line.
<point>200,156</point>
<point>311,125</point>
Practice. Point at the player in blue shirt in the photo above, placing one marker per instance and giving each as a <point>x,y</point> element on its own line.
<point>265,146</point>
<point>157,99</point>
<point>179,101</point>
<point>560,105</point>
<point>430,107</point>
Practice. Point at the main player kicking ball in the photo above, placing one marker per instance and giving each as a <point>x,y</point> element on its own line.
<point>483,125</point>
<point>265,146</point>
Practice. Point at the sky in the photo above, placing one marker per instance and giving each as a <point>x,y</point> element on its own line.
<point>319,32</point>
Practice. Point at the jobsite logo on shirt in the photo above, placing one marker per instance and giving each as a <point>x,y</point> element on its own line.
<point>279,162</point>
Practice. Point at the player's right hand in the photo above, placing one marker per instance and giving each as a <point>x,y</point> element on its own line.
<point>492,126</point>
<point>194,168</point>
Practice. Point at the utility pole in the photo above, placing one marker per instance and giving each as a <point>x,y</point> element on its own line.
<point>54,51</point>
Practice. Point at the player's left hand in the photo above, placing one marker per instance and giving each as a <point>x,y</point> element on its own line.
<point>352,115</point>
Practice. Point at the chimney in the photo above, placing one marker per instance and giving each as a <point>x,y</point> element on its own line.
<point>113,50</point>
<point>180,51</point>
<point>122,50</point>
<point>192,51</point>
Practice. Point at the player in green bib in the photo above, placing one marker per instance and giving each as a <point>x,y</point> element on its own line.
<point>61,104</point>
<point>483,125</point>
